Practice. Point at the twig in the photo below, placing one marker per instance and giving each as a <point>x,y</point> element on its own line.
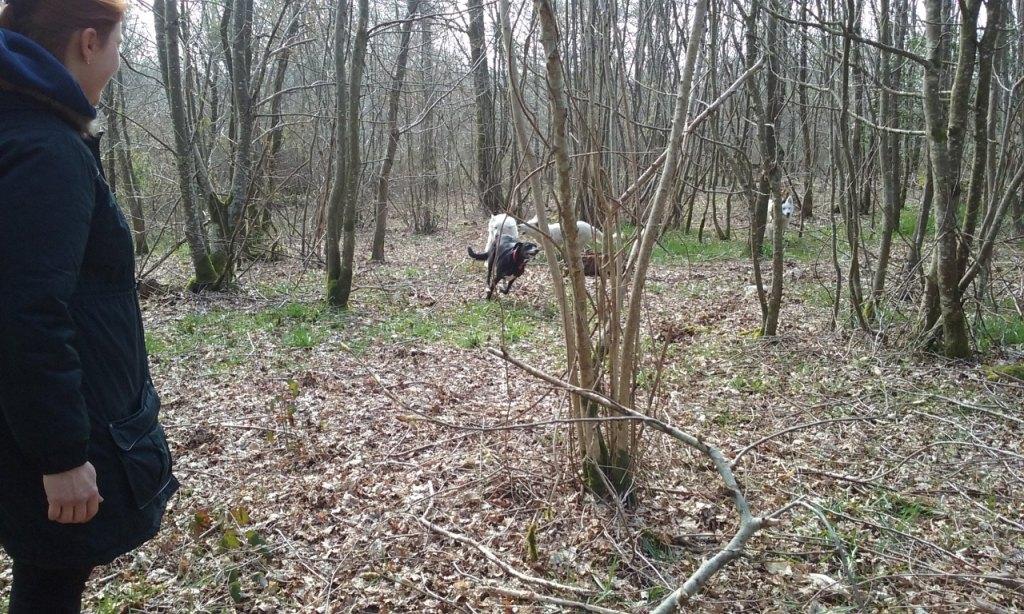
<point>844,557</point>
<point>426,591</point>
<point>1013,524</point>
<point>967,405</point>
<point>532,596</point>
<point>805,425</point>
<point>923,542</point>
<point>749,525</point>
<point>490,556</point>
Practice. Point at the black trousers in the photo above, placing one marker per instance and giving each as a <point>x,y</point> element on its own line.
<point>47,591</point>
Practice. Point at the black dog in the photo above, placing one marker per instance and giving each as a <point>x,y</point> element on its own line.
<point>506,258</point>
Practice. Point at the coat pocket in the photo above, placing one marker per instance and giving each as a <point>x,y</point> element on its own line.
<point>142,448</point>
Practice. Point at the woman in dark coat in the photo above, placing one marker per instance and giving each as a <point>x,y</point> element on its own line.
<point>85,472</point>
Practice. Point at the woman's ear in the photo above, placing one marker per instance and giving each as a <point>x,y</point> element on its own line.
<point>88,44</point>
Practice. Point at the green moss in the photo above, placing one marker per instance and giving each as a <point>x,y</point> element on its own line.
<point>746,384</point>
<point>532,552</point>
<point>335,297</point>
<point>1010,372</point>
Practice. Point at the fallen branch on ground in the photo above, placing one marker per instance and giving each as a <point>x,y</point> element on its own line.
<point>531,596</point>
<point>749,524</point>
<point>805,425</point>
<point>489,554</point>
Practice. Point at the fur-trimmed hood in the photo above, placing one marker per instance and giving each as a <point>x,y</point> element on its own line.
<point>28,69</point>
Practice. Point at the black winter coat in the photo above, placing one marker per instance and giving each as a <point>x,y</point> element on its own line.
<point>74,376</point>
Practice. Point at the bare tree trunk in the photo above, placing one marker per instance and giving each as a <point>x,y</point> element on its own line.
<point>945,147</point>
<point>166,17</point>
<point>888,164</point>
<point>244,116</point>
<point>336,203</point>
<point>640,257</point>
<point>346,187</point>
<point>912,270</point>
<point>807,202</point>
<point>616,459</point>
<point>851,153</point>
<point>261,239</point>
<point>978,181</point>
<point>587,439</point>
<point>771,174</point>
<point>488,182</point>
<point>427,221</point>
<point>127,186</point>
<point>998,205</point>
<point>381,209</point>
<point>1018,202</point>
<point>756,189</point>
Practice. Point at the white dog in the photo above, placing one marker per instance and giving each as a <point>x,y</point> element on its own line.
<point>788,209</point>
<point>500,225</point>
<point>587,234</point>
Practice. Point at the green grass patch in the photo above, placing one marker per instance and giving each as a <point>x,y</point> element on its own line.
<point>907,509</point>
<point>747,384</point>
<point>676,245</point>
<point>656,545</point>
<point>812,246</point>
<point>473,325</point>
<point>126,597</point>
<point>225,334</point>
<point>817,294</point>
<point>999,330</point>
<point>1011,372</point>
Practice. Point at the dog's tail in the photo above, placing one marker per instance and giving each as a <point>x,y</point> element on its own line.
<point>475,255</point>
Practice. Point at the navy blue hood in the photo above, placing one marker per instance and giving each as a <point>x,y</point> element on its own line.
<point>26,66</point>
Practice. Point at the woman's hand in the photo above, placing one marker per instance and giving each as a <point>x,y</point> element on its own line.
<point>72,495</point>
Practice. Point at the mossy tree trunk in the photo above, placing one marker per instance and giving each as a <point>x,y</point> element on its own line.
<point>341,223</point>
<point>166,20</point>
<point>946,127</point>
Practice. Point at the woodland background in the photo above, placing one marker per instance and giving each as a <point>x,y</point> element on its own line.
<point>819,416</point>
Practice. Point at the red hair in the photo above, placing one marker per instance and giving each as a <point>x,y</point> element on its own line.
<point>51,23</point>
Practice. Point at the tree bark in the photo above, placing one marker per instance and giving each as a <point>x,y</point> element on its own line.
<point>488,182</point>
<point>771,174</point>
<point>127,188</point>
<point>887,162</point>
<point>346,187</point>
<point>807,202</point>
<point>241,79</point>
<point>397,82</point>
<point>336,202</point>
<point>165,13</point>
<point>945,138</point>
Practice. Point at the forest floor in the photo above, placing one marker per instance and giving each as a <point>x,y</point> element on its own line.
<point>307,487</point>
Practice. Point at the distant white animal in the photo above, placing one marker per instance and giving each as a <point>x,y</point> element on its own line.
<point>788,209</point>
<point>500,225</point>
<point>587,234</point>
